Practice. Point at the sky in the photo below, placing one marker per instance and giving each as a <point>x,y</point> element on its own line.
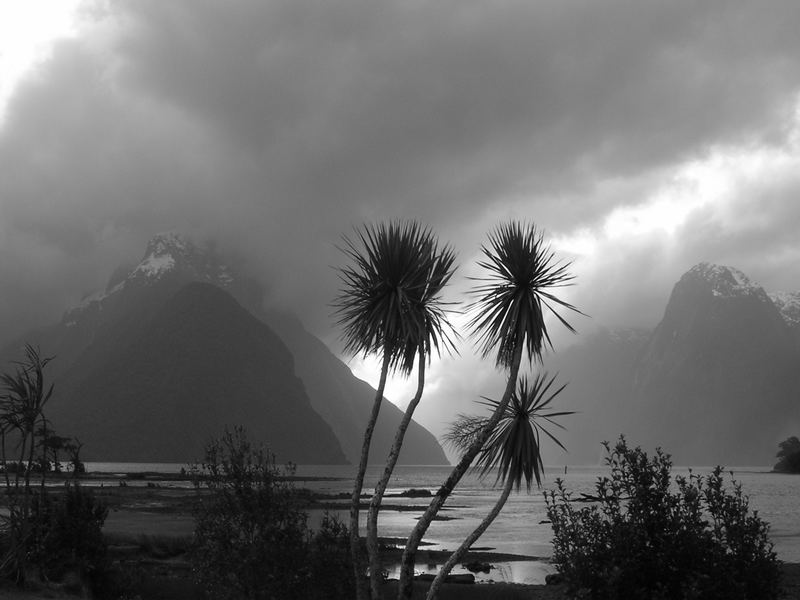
<point>642,137</point>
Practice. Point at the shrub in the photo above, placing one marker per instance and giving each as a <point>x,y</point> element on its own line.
<point>647,535</point>
<point>331,574</point>
<point>251,536</point>
<point>67,534</point>
<point>789,456</point>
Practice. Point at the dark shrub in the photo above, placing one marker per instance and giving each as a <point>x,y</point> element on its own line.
<point>66,535</point>
<point>331,568</point>
<point>251,536</point>
<point>789,456</point>
<point>647,535</point>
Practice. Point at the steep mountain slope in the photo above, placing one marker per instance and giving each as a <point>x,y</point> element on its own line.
<point>599,373</point>
<point>345,401</point>
<point>719,377</point>
<point>157,389</point>
<point>95,330</point>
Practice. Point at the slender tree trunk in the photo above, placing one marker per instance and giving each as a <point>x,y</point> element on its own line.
<point>380,488</point>
<point>456,557</point>
<point>5,460</point>
<point>405,586</point>
<point>362,591</point>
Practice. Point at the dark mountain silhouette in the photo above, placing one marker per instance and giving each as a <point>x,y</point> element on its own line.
<point>159,389</point>
<point>148,347</point>
<point>716,382</point>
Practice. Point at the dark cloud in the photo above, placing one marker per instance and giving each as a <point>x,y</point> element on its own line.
<point>276,127</point>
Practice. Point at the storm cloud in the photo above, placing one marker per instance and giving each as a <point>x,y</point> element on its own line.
<point>644,137</point>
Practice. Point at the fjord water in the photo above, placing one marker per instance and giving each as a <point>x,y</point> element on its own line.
<point>520,527</point>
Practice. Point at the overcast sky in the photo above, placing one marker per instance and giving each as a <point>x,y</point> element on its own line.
<point>643,137</point>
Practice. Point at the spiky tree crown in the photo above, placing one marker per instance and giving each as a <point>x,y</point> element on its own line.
<point>390,300</point>
<point>514,446</point>
<point>511,299</point>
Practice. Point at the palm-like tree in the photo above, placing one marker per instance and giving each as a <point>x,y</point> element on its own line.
<point>513,448</point>
<point>432,329</point>
<point>509,310</point>
<point>389,304</point>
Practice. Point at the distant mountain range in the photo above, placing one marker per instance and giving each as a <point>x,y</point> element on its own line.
<point>716,382</point>
<point>179,346</point>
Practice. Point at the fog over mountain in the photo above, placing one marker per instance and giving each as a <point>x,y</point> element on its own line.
<point>643,138</point>
<point>716,381</point>
<point>180,346</point>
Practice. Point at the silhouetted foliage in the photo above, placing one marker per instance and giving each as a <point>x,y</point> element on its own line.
<point>45,531</point>
<point>513,449</point>
<point>520,277</point>
<point>789,455</point>
<point>330,564</point>
<point>649,535</point>
<point>390,304</point>
<point>251,537</point>
<point>67,534</point>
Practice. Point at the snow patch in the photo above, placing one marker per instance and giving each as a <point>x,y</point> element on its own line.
<point>154,266</point>
<point>788,304</point>
<point>725,282</point>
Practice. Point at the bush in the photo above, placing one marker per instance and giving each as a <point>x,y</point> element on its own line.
<point>648,536</point>
<point>251,536</point>
<point>330,565</point>
<point>789,455</point>
<point>67,534</point>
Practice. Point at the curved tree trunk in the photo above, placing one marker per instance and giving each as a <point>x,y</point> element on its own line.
<point>405,586</point>
<point>380,488</point>
<point>471,539</point>
<point>362,591</point>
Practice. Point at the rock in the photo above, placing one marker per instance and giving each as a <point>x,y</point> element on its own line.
<point>554,579</point>
<point>416,493</point>
<point>477,566</point>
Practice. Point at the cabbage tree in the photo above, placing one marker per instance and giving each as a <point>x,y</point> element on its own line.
<point>508,321</point>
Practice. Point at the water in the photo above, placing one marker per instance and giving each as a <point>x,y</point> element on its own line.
<point>519,528</point>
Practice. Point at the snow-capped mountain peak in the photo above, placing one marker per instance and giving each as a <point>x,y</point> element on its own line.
<point>725,281</point>
<point>163,252</point>
<point>788,303</point>
<point>168,256</point>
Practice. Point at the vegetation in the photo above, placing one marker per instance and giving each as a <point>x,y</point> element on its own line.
<point>251,538</point>
<point>789,456</point>
<point>521,272</point>
<point>46,534</point>
<point>647,535</point>
<point>390,305</point>
<point>513,448</point>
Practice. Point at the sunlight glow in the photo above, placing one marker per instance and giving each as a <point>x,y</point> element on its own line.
<point>28,29</point>
<point>709,183</point>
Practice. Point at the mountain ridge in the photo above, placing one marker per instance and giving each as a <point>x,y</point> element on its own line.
<point>134,296</point>
<point>714,382</point>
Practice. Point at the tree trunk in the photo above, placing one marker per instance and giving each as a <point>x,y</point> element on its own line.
<point>405,586</point>
<point>471,539</point>
<point>362,592</point>
<point>380,488</point>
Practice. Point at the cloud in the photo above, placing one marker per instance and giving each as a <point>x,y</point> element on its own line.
<point>276,127</point>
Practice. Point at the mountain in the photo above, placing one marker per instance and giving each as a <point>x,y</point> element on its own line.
<point>716,382</point>
<point>152,366</point>
<point>345,401</point>
<point>158,389</point>
<point>599,375</point>
<point>718,378</point>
